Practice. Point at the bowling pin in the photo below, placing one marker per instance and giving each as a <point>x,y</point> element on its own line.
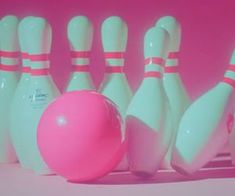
<point>148,116</point>
<point>8,83</point>
<point>115,85</point>
<point>205,125</point>
<point>174,87</point>
<point>80,35</point>
<point>42,90</point>
<point>18,116</point>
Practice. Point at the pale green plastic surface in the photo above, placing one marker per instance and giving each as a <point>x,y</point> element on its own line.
<point>202,130</point>
<point>115,86</point>
<point>41,91</point>
<point>148,103</point>
<point>8,83</point>
<point>80,36</point>
<point>149,106</point>
<point>18,116</point>
<point>174,87</point>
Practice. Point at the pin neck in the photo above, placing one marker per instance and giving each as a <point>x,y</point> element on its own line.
<point>25,69</point>
<point>114,69</point>
<point>40,72</point>
<point>39,61</point>
<point>153,67</point>
<point>8,68</point>
<point>81,68</point>
<point>153,74</point>
<point>153,64</point>
<point>171,65</point>
<point>9,58</point>
<point>24,55</point>
<point>9,54</point>
<point>80,58</point>
<point>25,62</point>
<point>229,76</point>
<point>114,59</point>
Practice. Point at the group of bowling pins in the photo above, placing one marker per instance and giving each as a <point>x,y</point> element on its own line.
<point>164,129</point>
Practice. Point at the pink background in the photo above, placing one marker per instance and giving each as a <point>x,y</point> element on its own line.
<point>208,29</point>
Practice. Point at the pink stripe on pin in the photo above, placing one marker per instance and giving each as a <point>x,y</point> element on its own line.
<point>173,55</point>
<point>154,60</point>
<point>80,54</point>
<point>229,81</point>
<point>171,69</point>
<point>81,68</point>
<point>154,74</point>
<point>25,69</point>
<point>39,72</point>
<point>9,54</point>
<point>24,55</point>
<point>114,69</point>
<point>113,55</point>
<point>8,67</point>
<point>39,57</point>
<point>231,67</point>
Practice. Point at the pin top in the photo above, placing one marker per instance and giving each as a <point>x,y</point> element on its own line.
<point>8,33</point>
<point>39,36</point>
<point>114,34</point>
<point>172,26</point>
<point>80,33</point>
<point>23,33</point>
<point>156,42</point>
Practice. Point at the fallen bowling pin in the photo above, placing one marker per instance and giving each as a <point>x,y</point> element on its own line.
<point>148,117</point>
<point>205,126</point>
<point>80,35</point>
<point>174,87</point>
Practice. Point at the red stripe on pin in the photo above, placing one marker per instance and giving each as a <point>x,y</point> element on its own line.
<point>173,55</point>
<point>39,72</point>
<point>80,54</point>
<point>154,74</point>
<point>39,57</point>
<point>154,60</point>
<point>113,55</point>
<point>231,67</point>
<point>9,54</point>
<point>229,81</point>
<point>114,69</point>
<point>25,69</point>
<point>24,55</point>
<point>81,68</point>
<point>171,69</point>
<point>8,67</point>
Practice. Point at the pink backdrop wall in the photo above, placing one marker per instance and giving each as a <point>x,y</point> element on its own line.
<point>208,28</point>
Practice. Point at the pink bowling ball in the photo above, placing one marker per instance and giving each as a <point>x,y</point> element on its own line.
<point>80,136</point>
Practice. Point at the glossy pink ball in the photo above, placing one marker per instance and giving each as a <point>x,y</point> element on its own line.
<point>79,136</point>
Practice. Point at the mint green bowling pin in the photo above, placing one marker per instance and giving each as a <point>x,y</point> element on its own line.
<point>115,85</point>
<point>174,87</point>
<point>80,36</point>
<point>8,83</point>
<point>42,90</point>
<point>18,116</point>
<point>205,125</point>
<point>148,116</point>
